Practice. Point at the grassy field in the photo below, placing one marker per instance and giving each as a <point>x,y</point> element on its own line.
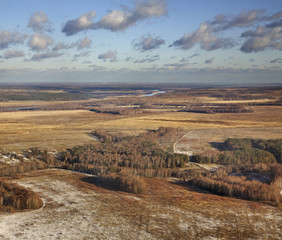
<point>46,129</point>
<point>62,129</point>
<point>66,128</point>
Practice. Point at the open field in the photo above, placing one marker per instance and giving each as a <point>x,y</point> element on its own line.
<point>62,129</point>
<point>51,130</point>
<point>77,209</point>
<point>66,128</point>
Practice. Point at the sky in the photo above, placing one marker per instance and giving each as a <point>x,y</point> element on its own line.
<point>143,41</point>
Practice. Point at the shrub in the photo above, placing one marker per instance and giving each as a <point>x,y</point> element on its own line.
<point>15,197</point>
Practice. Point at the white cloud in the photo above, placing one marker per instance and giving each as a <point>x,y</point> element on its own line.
<point>39,22</point>
<point>262,38</point>
<point>243,19</point>
<point>117,20</point>
<point>39,41</point>
<point>208,34</point>
<point>8,38</point>
<point>84,22</point>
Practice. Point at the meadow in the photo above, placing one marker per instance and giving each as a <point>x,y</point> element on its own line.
<point>56,130</point>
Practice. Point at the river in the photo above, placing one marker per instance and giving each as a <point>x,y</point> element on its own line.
<point>155,92</point>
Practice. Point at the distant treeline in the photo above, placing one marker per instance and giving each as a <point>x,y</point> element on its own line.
<point>247,93</point>
<point>43,96</point>
<point>117,111</point>
<point>216,109</point>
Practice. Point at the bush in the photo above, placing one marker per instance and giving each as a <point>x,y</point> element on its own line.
<point>15,197</point>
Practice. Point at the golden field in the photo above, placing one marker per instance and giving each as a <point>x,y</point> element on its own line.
<point>59,129</point>
<point>63,129</point>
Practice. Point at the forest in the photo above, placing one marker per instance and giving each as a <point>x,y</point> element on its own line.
<point>245,152</point>
<point>121,162</point>
<point>142,154</point>
<point>117,161</point>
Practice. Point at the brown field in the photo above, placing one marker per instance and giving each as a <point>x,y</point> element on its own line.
<point>77,209</point>
<point>63,129</point>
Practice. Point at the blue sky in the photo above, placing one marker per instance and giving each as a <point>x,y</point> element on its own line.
<point>219,41</point>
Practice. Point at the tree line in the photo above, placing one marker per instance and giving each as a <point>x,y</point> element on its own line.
<point>238,187</point>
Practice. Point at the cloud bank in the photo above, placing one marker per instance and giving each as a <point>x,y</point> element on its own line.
<point>209,34</point>
<point>262,38</point>
<point>205,37</point>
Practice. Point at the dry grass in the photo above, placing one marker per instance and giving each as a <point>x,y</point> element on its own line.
<point>262,116</point>
<point>47,129</point>
<point>78,209</point>
<point>222,101</point>
<point>62,129</point>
